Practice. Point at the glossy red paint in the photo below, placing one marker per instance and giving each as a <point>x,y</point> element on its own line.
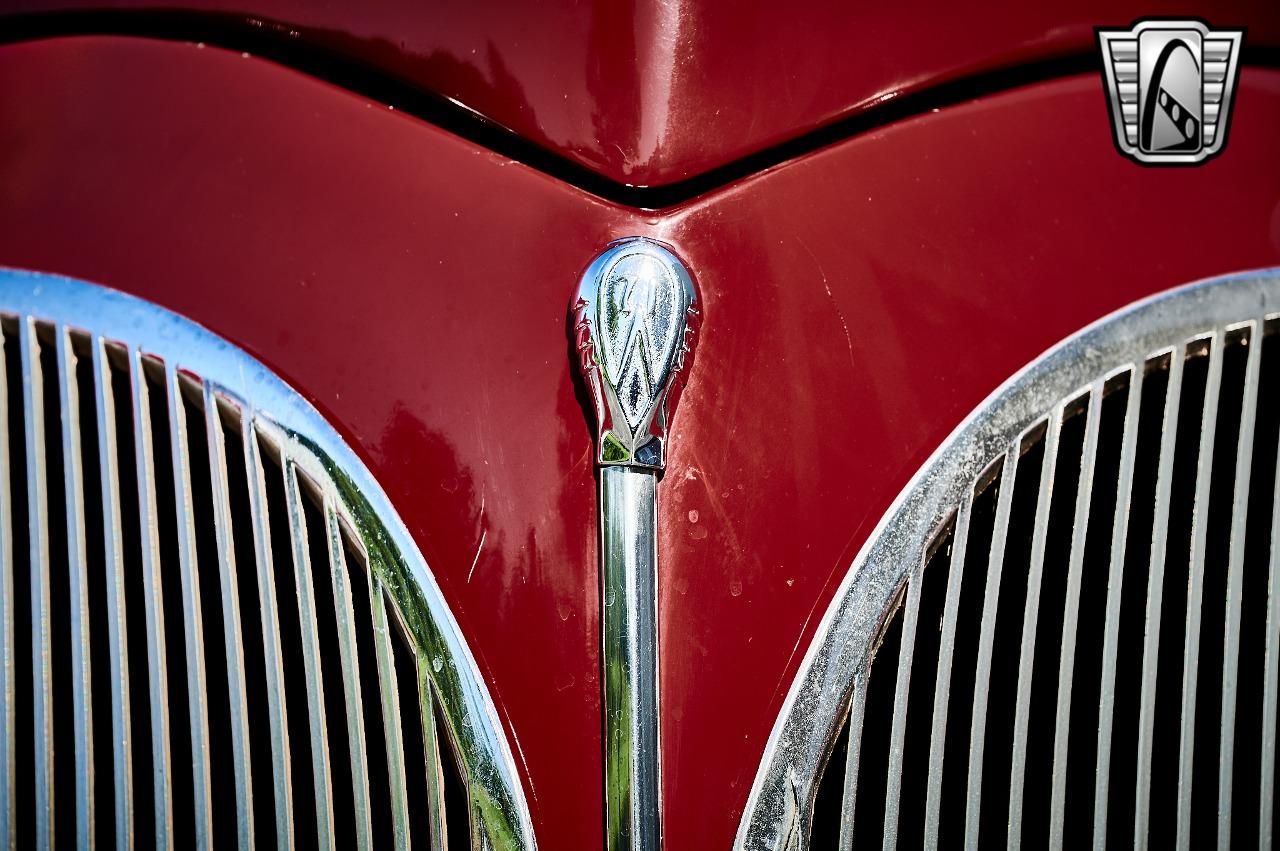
<point>650,92</point>
<point>859,303</point>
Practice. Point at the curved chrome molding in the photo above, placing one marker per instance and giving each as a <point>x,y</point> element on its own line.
<point>833,672</point>
<point>499,813</point>
<point>634,319</point>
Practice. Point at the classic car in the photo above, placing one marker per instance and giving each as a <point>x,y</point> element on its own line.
<point>634,425</point>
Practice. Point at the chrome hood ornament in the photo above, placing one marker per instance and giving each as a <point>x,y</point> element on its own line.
<point>634,320</point>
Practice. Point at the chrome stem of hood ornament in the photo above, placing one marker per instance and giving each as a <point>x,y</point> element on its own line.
<point>634,320</point>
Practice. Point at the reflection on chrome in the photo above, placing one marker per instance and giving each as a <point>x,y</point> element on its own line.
<point>634,321</point>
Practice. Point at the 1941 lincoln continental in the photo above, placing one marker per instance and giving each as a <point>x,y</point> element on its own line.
<point>639,425</point>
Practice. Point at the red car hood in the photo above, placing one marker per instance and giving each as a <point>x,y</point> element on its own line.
<point>655,92</point>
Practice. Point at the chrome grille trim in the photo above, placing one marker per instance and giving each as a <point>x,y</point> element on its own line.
<point>208,386</point>
<point>1028,408</point>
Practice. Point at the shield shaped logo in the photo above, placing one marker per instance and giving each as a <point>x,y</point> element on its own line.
<point>1169,88</point>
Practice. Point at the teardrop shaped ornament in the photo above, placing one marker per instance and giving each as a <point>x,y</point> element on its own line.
<point>634,322</point>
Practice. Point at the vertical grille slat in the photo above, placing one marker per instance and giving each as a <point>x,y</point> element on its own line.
<point>153,599</point>
<point>182,577</point>
<point>310,656</point>
<point>8,669</point>
<point>193,631</point>
<point>1155,600</point>
<point>350,667</point>
<point>435,803</point>
<point>1115,587</point>
<point>898,731</point>
<point>1195,591</point>
<point>390,713</point>
<point>274,671</point>
<point>849,800</point>
<point>113,549</point>
<point>1066,663</point>
<point>232,636</point>
<point>78,581</point>
<point>1030,620</point>
<point>1235,579</point>
<point>986,641</point>
<point>1271,673</point>
<point>942,692</point>
<point>38,540</point>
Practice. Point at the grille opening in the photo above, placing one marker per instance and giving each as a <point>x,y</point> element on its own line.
<point>344,825</point>
<point>379,771</point>
<point>24,738</point>
<point>217,697</point>
<point>411,715</point>
<point>295,675</point>
<point>1213,505</point>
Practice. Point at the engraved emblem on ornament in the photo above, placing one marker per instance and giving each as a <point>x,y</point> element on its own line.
<point>635,317</point>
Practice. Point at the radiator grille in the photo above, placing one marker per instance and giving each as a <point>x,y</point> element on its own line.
<point>198,648</point>
<point>1081,647</point>
<point>1013,696</point>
